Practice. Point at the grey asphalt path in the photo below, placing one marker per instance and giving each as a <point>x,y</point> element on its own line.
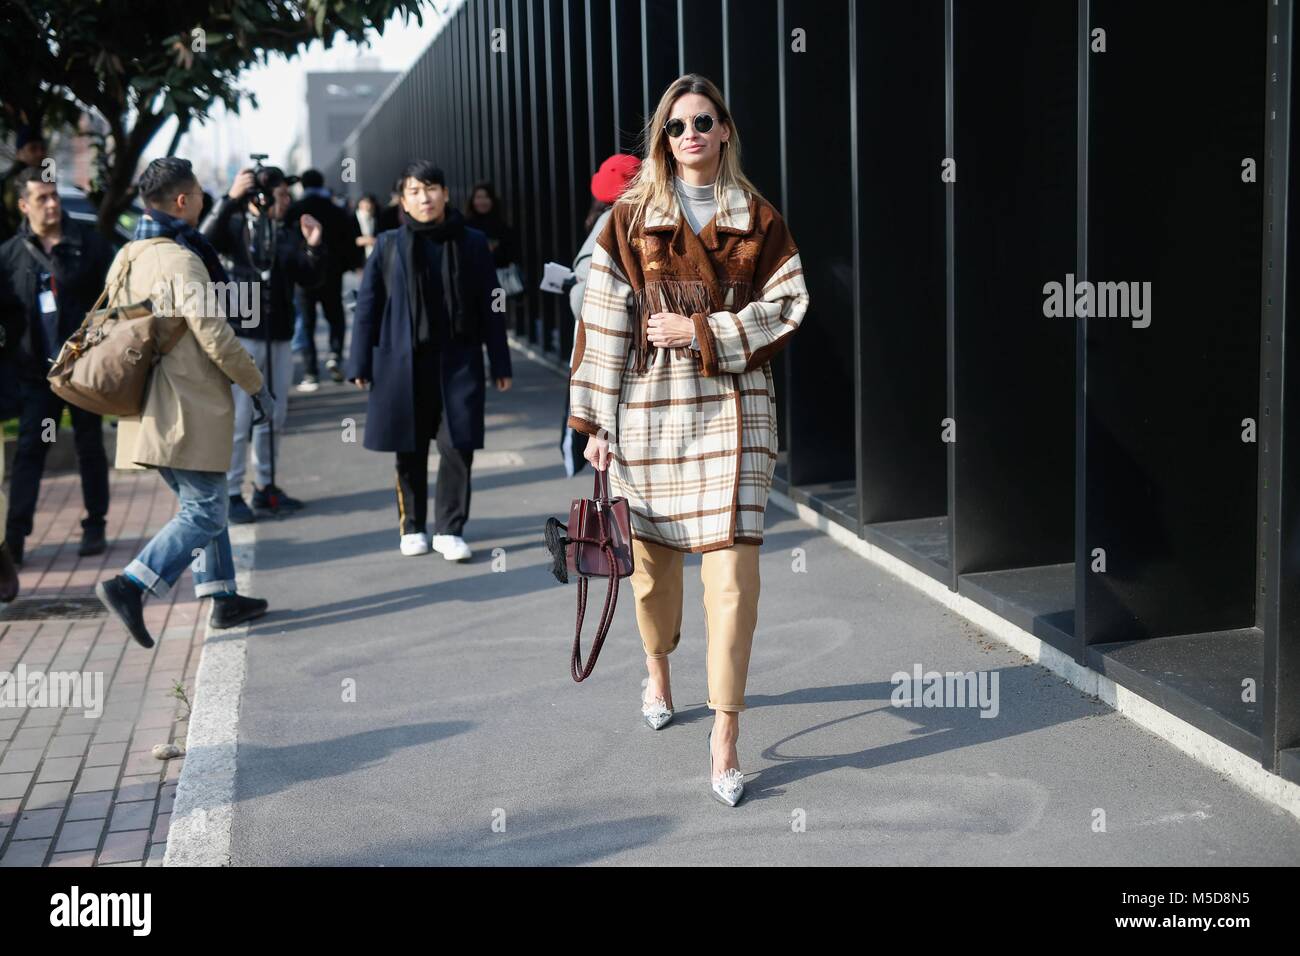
<point>468,743</point>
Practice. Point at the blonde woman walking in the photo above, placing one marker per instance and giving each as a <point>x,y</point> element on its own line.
<point>695,284</point>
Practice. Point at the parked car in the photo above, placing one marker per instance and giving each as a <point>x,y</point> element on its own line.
<point>79,206</point>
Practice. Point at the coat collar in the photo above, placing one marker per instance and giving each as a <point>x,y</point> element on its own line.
<point>733,217</point>
<point>69,233</point>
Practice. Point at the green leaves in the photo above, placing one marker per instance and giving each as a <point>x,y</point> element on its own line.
<point>138,63</point>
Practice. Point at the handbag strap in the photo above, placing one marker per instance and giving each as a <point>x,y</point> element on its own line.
<point>605,542</point>
<point>577,668</point>
<point>600,489</point>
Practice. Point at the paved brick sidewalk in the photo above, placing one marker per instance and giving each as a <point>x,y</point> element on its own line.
<point>78,790</point>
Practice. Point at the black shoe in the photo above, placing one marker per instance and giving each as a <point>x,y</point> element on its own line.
<point>240,513</point>
<point>273,499</point>
<point>92,542</point>
<point>332,366</point>
<point>121,596</point>
<point>231,610</point>
<point>8,576</point>
<point>14,542</point>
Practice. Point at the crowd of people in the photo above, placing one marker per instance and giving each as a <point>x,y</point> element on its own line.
<point>421,320</point>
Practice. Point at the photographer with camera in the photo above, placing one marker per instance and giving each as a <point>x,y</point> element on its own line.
<point>341,254</point>
<point>248,228</point>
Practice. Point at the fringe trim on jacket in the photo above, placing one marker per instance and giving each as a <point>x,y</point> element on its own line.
<point>685,297</point>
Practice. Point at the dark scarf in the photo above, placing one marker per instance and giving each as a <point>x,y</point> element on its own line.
<point>448,232</point>
<point>154,223</point>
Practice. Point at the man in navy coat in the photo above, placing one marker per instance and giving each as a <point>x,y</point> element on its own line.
<point>428,304</point>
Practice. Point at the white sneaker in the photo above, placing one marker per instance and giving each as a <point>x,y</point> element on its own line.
<point>413,544</point>
<point>452,547</point>
<point>309,383</point>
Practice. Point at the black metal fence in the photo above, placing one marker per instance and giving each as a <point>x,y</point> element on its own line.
<point>1121,485</point>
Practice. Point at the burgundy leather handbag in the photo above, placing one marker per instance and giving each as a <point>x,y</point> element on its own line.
<point>597,542</point>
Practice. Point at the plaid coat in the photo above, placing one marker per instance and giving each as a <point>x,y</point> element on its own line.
<point>693,433</point>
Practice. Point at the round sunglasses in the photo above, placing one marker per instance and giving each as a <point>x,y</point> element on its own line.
<point>702,122</point>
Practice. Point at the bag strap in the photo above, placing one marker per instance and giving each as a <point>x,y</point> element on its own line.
<point>177,333</point>
<point>580,671</point>
<point>39,255</point>
<point>600,486</point>
<point>577,668</point>
<point>132,250</point>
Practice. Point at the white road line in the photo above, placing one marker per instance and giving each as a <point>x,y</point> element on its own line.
<point>200,828</point>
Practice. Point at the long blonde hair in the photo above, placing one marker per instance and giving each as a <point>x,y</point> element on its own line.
<point>653,183</point>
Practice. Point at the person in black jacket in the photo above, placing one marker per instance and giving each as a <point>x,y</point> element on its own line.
<point>267,255</point>
<point>51,273</point>
<point>424,315</point>
<point>341,254</point>
<point>9,331</point>
<point>29,153</point>
<point>483,212</point>
<point>390,217</point>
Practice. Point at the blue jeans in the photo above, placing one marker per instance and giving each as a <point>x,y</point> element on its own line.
<point>197,536</point>
<point>301,334</point>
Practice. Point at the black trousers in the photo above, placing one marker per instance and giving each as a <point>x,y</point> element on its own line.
<point>39,405</point>
<point>451,498</point>
<point>329,295</point>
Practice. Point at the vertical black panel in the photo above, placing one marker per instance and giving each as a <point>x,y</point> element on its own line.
<point>467,107</point>
<point>903,339</point>
<point>820,362</point>
<point>600,93</point>
<point>449,148</point>
<point>481,104</point>
<point>526,218</point>
<point>532,191</point>
<point>576,191</point>
<point>466,133</point>
<point>1279,521</point>
<point>625,27</point>
<point>534,87</point>
<point>701,43</point>
<point>660,47</point>
<point>1171,486</point>
<point>1014,231</point>
<point>552,39</point>
<point>755,92</point>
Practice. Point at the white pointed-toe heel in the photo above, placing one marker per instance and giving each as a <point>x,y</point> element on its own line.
<point>656,712</point>
<point>729,786</point>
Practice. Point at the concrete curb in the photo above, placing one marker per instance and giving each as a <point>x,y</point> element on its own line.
<point>1242,770</point>
<point>200,829</point>
<point>549,362</point>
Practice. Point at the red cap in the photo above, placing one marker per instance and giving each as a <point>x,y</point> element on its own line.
<point>613,176</point>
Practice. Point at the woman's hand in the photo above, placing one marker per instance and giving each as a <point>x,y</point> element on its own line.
<point>597,452</point>
<point>668,330</point>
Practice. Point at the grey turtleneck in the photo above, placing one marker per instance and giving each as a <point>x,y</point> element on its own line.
<point>699,205</point>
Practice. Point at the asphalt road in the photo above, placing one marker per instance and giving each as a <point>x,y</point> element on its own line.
<point>468,743</point>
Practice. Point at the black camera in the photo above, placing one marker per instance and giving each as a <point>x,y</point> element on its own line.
<point>265,179</point>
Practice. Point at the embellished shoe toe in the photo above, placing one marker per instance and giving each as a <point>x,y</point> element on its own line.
<point>656,712</point>
<point>729,786</point>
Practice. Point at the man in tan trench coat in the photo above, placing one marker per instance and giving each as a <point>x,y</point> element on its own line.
<point>186,428</point>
